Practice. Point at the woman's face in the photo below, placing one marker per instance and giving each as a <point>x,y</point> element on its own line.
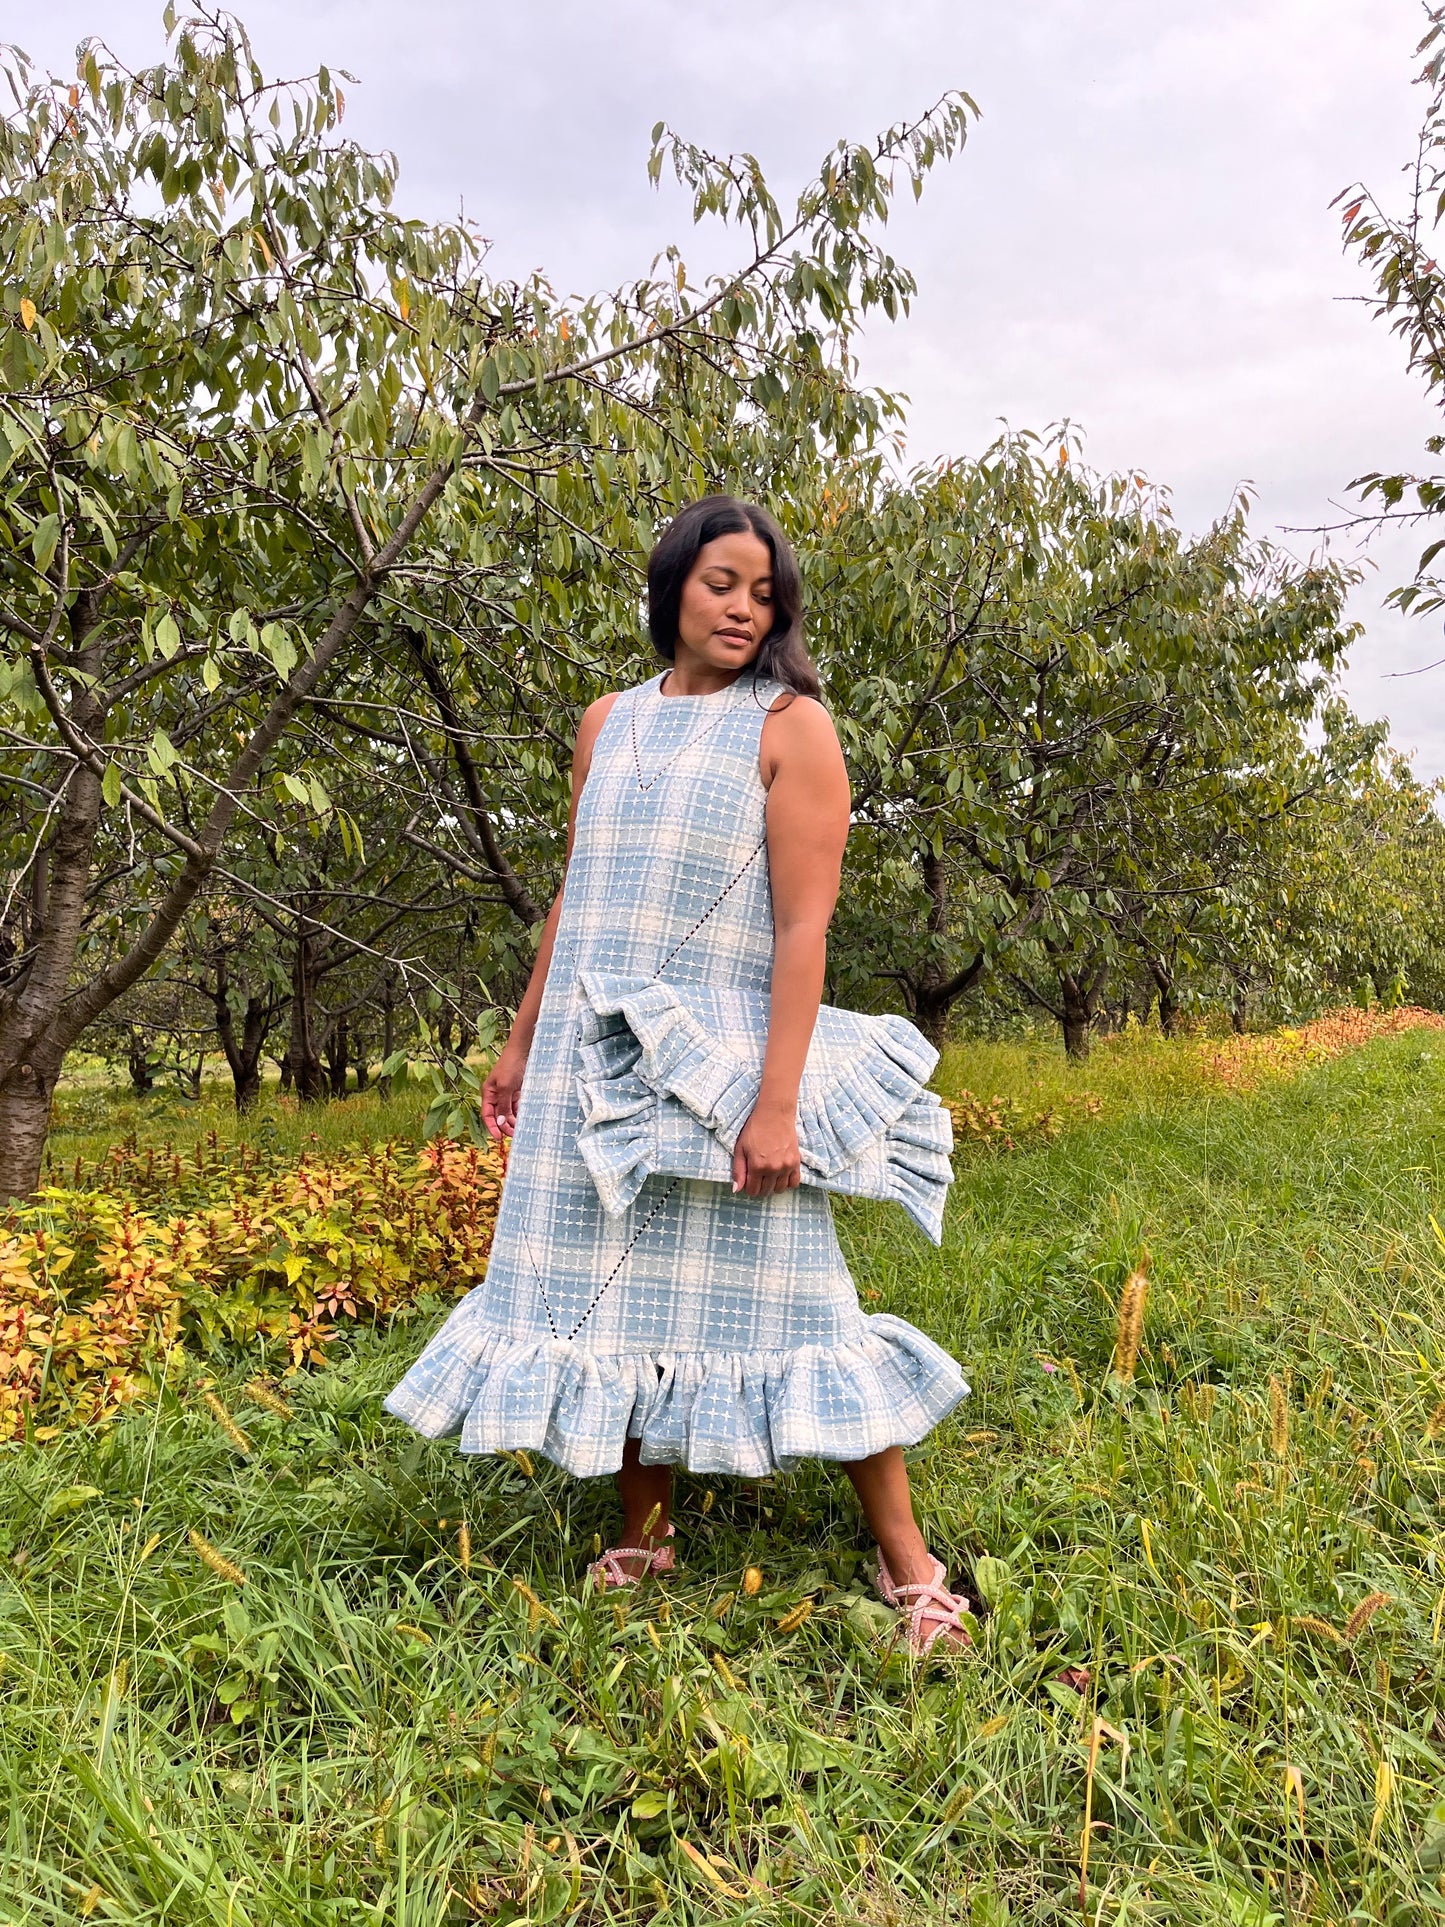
<point>726,611</point>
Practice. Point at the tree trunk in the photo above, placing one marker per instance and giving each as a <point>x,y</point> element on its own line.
<point>138,1063</point>
<point>337,1053</point>
<point>1168,996</point>
<point>1079,996</point>
<point>388,1031</point>
<point>303,1060</point>
<point>932,992</point>
<point>244,1058</point>
<point>32,1046</point>
<point>1238,1010</point>
<point>25,1098</point>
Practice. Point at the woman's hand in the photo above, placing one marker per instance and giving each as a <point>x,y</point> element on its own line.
<point>502,1091</point>
<point>766,1157</point>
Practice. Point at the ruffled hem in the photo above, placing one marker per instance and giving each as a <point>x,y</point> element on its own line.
<point>744,1413</point>
<point>668,1075</point>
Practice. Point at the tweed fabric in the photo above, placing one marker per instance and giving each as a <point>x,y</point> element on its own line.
<point>723,1332</point>
<point>669,1075</point>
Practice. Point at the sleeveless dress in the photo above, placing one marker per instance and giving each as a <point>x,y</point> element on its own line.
<point>722,1331</point>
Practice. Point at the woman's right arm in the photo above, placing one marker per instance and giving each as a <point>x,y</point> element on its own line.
<point>502,1090</point>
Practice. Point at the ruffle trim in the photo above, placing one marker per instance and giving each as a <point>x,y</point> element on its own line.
<point>669,1074</point>
<point>744,1413</point>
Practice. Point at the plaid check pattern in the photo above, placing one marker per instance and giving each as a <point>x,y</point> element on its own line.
<point>724,1332</point>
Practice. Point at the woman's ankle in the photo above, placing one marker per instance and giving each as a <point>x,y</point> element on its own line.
<point>908,1559</point>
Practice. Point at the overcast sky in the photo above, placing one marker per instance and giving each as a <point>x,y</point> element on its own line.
<point>1138,234</point>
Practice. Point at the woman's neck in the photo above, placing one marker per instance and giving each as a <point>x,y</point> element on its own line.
<point>692,675</point>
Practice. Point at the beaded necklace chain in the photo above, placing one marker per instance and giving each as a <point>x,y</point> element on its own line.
<point>646,783</point>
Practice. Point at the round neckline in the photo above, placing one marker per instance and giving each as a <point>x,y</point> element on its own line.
<point>696,696</point>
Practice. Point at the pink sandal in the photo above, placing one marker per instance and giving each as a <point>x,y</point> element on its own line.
<point>928,1611</point>
<point>609,1571</point>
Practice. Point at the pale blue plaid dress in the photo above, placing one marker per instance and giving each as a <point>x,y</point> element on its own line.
<point>722,1331</point>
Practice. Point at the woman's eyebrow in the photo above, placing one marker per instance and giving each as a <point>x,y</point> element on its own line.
<point>735,575</point>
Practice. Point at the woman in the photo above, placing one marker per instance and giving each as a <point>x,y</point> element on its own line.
<point>707,1325</point>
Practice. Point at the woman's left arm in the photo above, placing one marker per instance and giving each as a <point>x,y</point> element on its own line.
<point>807,820</point>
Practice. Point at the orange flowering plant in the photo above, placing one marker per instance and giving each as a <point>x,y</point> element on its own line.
<point>101,1289</point>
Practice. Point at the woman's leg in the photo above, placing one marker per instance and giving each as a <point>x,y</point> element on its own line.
<point>643,1489</point>
<point>881,1483</point>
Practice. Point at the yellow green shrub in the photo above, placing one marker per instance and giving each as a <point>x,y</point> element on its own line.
<point>99,1288</point>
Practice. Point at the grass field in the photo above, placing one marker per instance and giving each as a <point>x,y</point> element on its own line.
<point>1214,1648</point>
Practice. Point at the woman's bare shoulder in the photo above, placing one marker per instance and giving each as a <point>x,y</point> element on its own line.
<point>594,716</point>
<point>798,730</point>
<point>801,719</point>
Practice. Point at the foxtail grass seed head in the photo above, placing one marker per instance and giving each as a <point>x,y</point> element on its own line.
<point>1321,1628</point>
<point>718,1609</point>
<point>1278,1419</point>
<point>791,1621</point>
<point>536,1611</point>
<point>260,1393</point>
<point>649,1524</point>
<point>597,1545</point>
<point>227,1424</point>
<point>1360,1618</point>
<point>1435,1424</point>
<point>725,1672</point>
<point>961,1797</point>
<point>464,1545</point>
<point>1206,1396</point>
<point>1131,1320</point>
<point>654,1636</point>
<point>752,1581</point>
<point>524,1464</point>
<point>217,1561</point>
<point>619,1614</point>
<point>709,1500</point>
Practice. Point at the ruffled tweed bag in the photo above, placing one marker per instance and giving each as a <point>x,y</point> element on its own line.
<point>669,1074</point>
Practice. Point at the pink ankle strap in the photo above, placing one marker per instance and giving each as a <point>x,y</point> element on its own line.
<point>930,1602</point>
<point>609,1571</point>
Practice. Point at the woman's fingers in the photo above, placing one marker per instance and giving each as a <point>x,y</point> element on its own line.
<point>499,1108</point>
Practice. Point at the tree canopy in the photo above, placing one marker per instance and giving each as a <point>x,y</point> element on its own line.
<point>317,539</point>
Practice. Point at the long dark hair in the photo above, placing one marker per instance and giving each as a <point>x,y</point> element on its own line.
<point>783,655</point>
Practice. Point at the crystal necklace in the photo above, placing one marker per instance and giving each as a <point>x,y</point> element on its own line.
<point>646,782</point>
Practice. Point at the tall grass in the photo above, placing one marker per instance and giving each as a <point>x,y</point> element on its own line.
<point>1215,1596</point>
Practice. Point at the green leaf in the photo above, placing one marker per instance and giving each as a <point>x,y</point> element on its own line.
<point>45,540</point>
<point>69,1498</point>
<point>993,1578</point>
<point>161,753</point>
<point>276,641</point>
<point>110,785</point>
